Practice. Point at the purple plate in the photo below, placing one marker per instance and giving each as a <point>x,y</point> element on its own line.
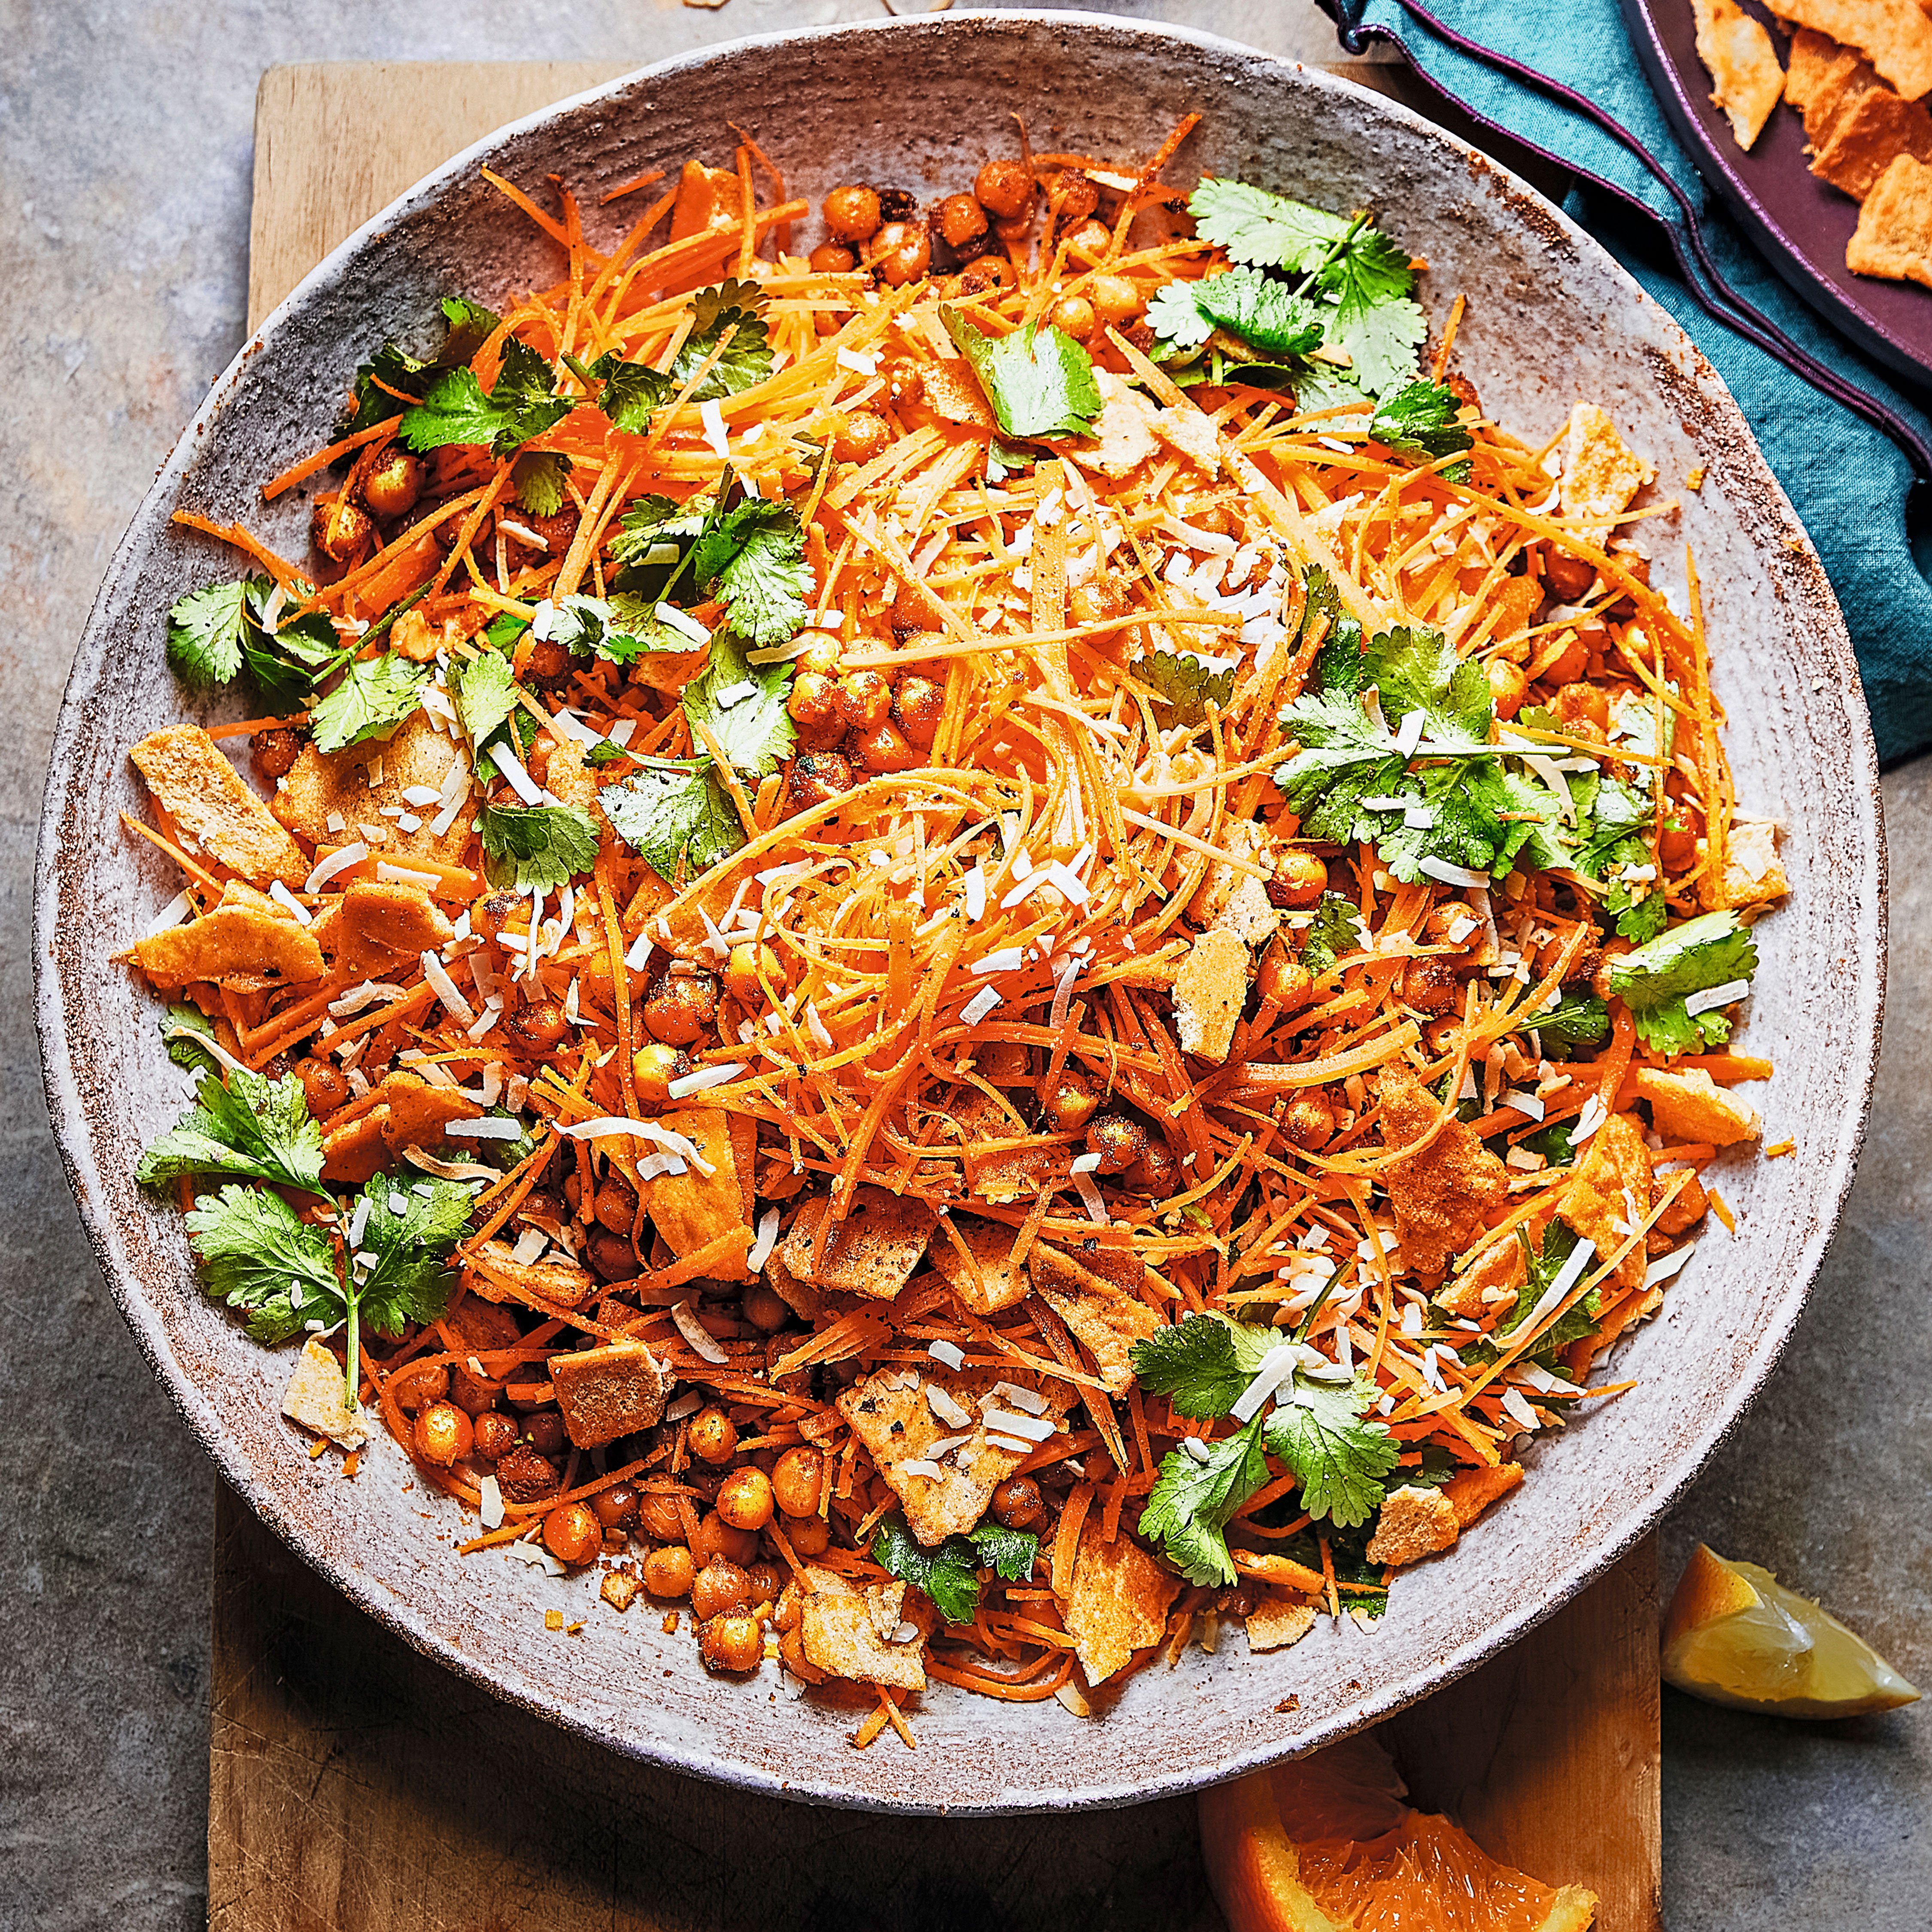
<point>1801,223</point>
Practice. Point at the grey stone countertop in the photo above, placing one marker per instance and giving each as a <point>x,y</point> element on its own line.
<point>126,134</point>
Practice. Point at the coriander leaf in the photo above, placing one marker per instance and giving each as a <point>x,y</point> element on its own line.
<point>1710,951</point>
<point>183,1028</point>
<point>381,384</point>
<point>257,1255</point>
<point>1339,1458</point>
<point>375,696</point>
<point>656,522</point>
<point>455,408</point>
<point>631,391</point>
<point>503,630</point>
<point>471,324</point>
<point>1010,1553</point>
<point>1268,229</point>
<point>1375,321</point>
<point>411,1278</point>
<point>605,752</point>
<point>205,634</point>
<point>247,1128</point>
<point>1337,929</point>
<point>947,1574</point>
<point>752,558</point>
<point>544,845</point>
<point>1193,1363</point>
<point>1185,682</point>
<point>742,707</point>
<point>675,815</point>
<point>1263,312</point>
<point>1175,316</point>
<point>1540,1271</point>
<point>214,634</point>
<point>485,692</point>
<point>1040,382</point>
<point>1553,1142</point>
<point>637,628</point>
<point>1422,422</point>
<point>1189,1505</point>
<point>1581,1022</point>
<point>745,363</point>
<point>538,477</point>
<point>590,625</point>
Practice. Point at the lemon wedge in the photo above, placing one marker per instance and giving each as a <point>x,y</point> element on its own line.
<point>1735,1635</point>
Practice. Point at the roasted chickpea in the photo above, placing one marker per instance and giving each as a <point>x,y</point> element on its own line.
<point>984,272</point>
<point>962,220</point>
<point>442,1434</point>
<point>1572,661</point>
<point>681,1007</point>
<point>743,970</point>
<point>765,1309</point>
<point>1677,844</point>
<point>669,1572</point>
<point>1091,239</point>
<point>1115,299</point>
<point>815,778</point>
<point>714,1538</point>
<point>720,1586</point>
<point>735,1643</point>
<point>807,1534</point>
<point>414,1387</point>
<point>659,1517</point>
<point>863,435</point>
<point>713,1435</point>
<point>1017,1503</point>
<point>323,1087</point>
<point>339,529</point>
<point>616,1205</point>
<point>540,1023</point>
<point>1567,579</point>
<point>610,1256</point>
<point>1300,879</point>
<point>1004,188</point>
<point>1119,1139</point>
<point>616,1507</point>
<point>813,698</point>
<point>495,1436</point>
<point>1429,985</point>
<point>653,1067</point>
<point>1583,710</point>
<point>767,1582</point>
<point>1073,194</point>
<point>901,253</point>
<point>1283,979</point>
<point>492,913</point>
<point>832,258</point>
<point>572,1534</point>
<point>745,1499</point>
<point>796,1479</point>
<point>852,214</point>
<point>525,1476</point>
<point>1508,686</point>
<point>474,1394</point>
<point>543,1430</point>
<point>549,662</point>
<point>1156,1174</point>
<point>863,699</point>
<point>1072,1102</point>
<point>1100,602</point>
<point>1309,1122</point>
<point>1073,315</point>
<point>393,482</point>
<point>273,753</point>
<point>917,705</point>
<point>884,748</point>
<point>819,652</point>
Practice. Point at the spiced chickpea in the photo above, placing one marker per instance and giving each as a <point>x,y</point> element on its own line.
<point>323,1087</point>
<point>884,748</point>
<point>917,705</point>
<point>1156,1174</point>
<point>610,1256</point>
<point>492,913</point>
<point>807,1534</point>
<point>862,698</point>
<point>713,1435</point>
<point>414,1388</point>
<point>767,1582</point>
<point>735,1643</point>
<point>538,1023</point>
<point>1309,1122</point>
<point>1677,844</point>
<point>339,529</point>
<point>1429,985</point>
<point>616,1507</point>
<point>816,779</point>
<point>748,966</point>
<point>1300,879</point>
<point>442,1434</point>
<point>543,1430</point>
<point>1073,315</point>
<point>765,1309</point>
<point>474,1394</point>
<point>1582,709</point>
<point>985,272</point>
<point>653,1067</point>
<point>616,1205</point>
<point>1508,686</point>
<point>852,214</point>
<point>962,220</point>
<point>1004,188</point>
<point>1075,195</point>
<point>549,662</point>
<point>1119,1139</point>
<point>813,698</point>
<point>1573,660</point>
<point>795,1479</point>
<point>901,252</point>
<point>715,1538</point>
<point>669,1572</point>
<point>1115,299</point>
<point>745,1499</point>
<point>832,258</point>
<point>681,1007</point>
<point>819,651</point>
<point>1091,239</point>
<point>495,1436</point>
<point>1070,1103</point>
<point>720,1586</point>
<point>393,482</point>
<point>1018,1504</point>
<point>659,1517</point>
<point>863,435</point>
<point>273,753</point>
<point>1567,579</point>
<point>572,1534</point>
<point>1283,979</point>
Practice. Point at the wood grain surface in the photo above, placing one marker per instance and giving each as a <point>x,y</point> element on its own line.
<point>356,1786</point>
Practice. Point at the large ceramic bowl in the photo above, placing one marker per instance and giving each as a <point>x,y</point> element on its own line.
<point>1551,319</point>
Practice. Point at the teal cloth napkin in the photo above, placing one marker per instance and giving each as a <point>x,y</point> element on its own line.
<point>1849,446</point>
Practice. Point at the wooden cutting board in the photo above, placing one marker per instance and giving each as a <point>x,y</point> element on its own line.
<point>356,1786</point>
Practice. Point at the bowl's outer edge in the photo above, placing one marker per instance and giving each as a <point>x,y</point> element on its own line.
<point>1081,1766</point>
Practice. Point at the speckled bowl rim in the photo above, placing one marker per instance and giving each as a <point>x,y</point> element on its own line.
<point>1613,1538</point>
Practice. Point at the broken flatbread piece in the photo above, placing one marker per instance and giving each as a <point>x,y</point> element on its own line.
<point>608,1392</point>
<point>1737,54</point>
<point>315,1398</point>
<point>842,1637</point>
<point>1601,473</point>
<point>872,1252</point>
<point>1107,1327</point>
<point>1893,238</point>
<point>985,1278</point>
<point>1209,990</point>
<point>1117,1604</point>
<point>1894,35</point>
<point>204,794</point>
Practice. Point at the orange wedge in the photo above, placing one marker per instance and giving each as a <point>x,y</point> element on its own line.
<point>1735,1635</point>
<point>1327,1844</point>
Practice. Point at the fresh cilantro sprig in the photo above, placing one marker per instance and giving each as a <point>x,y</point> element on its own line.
<point>469,325</point>
<point>456,408</point>
<point>1268,230</point>
<point>536,845</point>
<point>1711,951</point>
<point>537,476</point>
<point>749,555</point>
<point>215,634</point>
<point>244,1126</point>
<point>374,697</point>
<point>741,707</point>
<point>1039,381</point>
<point>1194,1498</point>
<point>1541,1266</point>
<point>1336,929</point>
<point>949,1574</point>
<point>629,393</point>
<point>1185,682</point>
<point>676,814</point>
<point>1262,311</point>
<point>1422,421</point>
<point>259,1257</point>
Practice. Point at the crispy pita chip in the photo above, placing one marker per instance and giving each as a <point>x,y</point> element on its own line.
<point>1237,902</point>
<point>1118,1602</point>
<point>609,1392</point>
<point>1688,1106</point>
<point>988,1282</point>
<point>892,1413</point>
<point>1122,437</point>
<point>1753,874</point>
<point>953,395</point>
<point>316,1399</point>
<point>1002,1175</point>
<point>1471,1491</point>
<point>1894,237</point>
<point>1090,1269</point>
<point>1865,136</point>
<point>1496,1279</point>
<point>872,1252</point>
<point>1601,473</point>
<point>496,1275</point>
<point>1813,57</point>
<point>691,1211</point>
<point>377,921</point>
<point>1275,1622</point>
<point>205,796</point>
<point>344,783</point>
<point>1209,990</point>
<point>1442,1196</point>
<point>1107,1326</point>
<point>1893,35</point>
<point>1610,1194</point>
<point>1415,1522</point>
<point>241,946</point>
<point>800,1296</point>
<point>1738,54</point>
<point>842,1638</point>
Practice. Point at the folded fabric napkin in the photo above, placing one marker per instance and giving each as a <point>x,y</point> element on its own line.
<point>1849,446</point>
